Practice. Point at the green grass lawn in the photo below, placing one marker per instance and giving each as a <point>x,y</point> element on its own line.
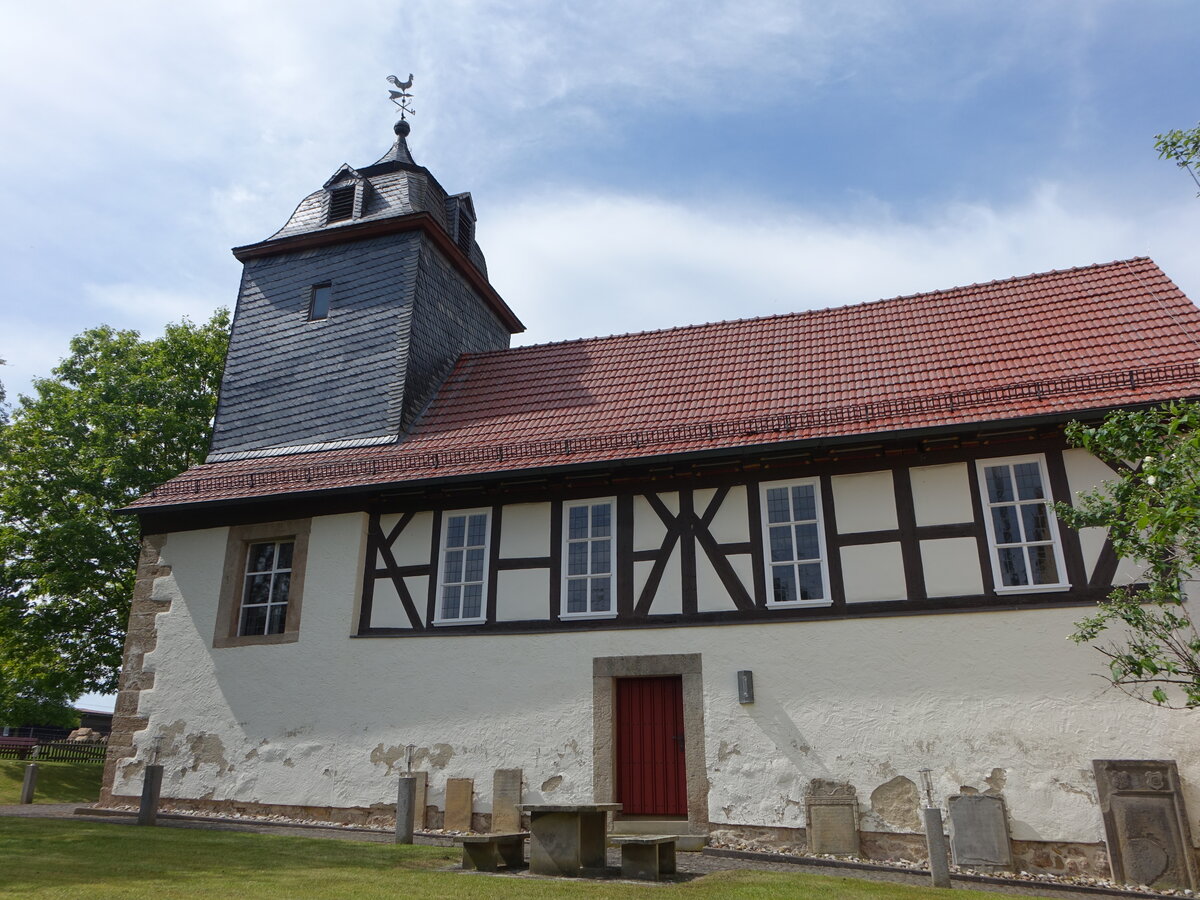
<point>58,782</point>
<point>51,858</point>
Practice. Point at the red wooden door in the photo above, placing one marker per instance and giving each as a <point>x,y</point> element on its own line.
<point>651,777</point>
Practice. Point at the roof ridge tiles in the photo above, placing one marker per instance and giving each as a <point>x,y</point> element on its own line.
<point>811,312</point>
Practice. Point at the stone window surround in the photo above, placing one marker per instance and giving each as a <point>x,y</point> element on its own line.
<point>605,671</point>
<point>233,577</point>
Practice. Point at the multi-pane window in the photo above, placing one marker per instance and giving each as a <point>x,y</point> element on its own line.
<point>588,563</point>
<point>265,589</point>
<point>1020,525</point>
<point>463,584</point>
<point>795,545</point>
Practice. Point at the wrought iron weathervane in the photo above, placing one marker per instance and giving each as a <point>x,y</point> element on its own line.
<point>402,97</point>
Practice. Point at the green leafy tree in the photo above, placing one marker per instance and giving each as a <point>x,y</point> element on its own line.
<point>119,416</point>
<point>1152,513</point>
<point>1183,147</point>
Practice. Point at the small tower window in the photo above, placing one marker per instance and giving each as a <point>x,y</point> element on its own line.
<point>318,306</point>
<point>341,203</point>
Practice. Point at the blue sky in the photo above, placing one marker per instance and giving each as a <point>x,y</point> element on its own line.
<point>634,164</point>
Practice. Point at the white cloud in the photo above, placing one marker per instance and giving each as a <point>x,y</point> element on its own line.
<point>579,265</point>
<point>132,300</point>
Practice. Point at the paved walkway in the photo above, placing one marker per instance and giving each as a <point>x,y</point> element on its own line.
<point>691,865</point>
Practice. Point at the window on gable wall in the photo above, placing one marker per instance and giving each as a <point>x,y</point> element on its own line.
<point>1022,530</point>
<point>588,534</point>
<point>463,572</point>
<point>794,540</point>
<point>266,588</point>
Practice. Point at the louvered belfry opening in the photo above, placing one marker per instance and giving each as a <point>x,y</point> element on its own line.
<point>465,229</point>
<point>341,203</point>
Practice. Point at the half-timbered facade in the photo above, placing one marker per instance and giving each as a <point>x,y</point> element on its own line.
<point>414,547</point>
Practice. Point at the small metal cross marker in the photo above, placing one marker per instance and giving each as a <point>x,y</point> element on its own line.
<point>402,96</point>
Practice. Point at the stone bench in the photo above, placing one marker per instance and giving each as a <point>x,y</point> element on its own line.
<point>647,856</point>
<point>485,852</point>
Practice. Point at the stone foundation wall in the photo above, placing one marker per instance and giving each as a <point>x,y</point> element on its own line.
<point>1049,857</point>
<point>141,639</point>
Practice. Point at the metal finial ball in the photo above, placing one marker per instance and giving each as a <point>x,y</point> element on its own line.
<point>402,128</point>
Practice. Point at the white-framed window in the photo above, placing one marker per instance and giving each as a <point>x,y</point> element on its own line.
<point>265,588</point>
<point>463,568</point>
<point>589,550</point>
<point>1021,526</point>
<point>794,543</point>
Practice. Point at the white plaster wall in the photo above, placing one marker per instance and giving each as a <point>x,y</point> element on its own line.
<point>864,502</point>
<point>999,694</point>
<point>1085,473</point>
<point>963,694</point>
<point>951,567</point>
<point>648,528</point>
<point>524,530</point>
<point>386,609</point>
<point>522,594</point>
<point>941,494</point>
<point>873,572</point>
<point>412,545</point>
<point>418,589</point>
<point>731,524</point>
<point>711,595</point>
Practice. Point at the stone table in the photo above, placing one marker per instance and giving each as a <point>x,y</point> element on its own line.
<point>568,839</point>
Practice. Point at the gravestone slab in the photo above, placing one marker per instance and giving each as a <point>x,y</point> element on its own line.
<point>831,813</point>
<point>506,797</point>
<point>979,832</point>
<point>1145,822</point>
<point>459,804</point>
<point>420,801</point>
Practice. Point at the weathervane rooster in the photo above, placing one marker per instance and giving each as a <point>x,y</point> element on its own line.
<point>402,97</point>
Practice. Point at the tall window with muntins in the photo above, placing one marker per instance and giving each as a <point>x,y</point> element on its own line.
<point>795,544</point>
<point>1021,528</point>
<point>341,204</point>
<point>318,302</point>
<point>463,577</point>
<point>588,560</point>
<point>265,591</point>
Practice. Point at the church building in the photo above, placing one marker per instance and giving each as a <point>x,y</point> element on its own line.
<point>720,574</point>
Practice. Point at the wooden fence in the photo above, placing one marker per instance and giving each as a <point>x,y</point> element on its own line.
<point>33,750</point>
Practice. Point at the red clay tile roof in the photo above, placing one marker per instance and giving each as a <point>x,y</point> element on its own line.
<point>1080,339</point>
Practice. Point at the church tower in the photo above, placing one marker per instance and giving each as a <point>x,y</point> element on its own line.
<point>350,316</point>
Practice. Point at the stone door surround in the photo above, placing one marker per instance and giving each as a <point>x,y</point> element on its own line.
<point>605,671</point>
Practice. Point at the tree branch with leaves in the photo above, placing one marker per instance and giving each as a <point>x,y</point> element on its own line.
<point>1152,513</point>
<point>1182,147</point>
<point>119,416</point>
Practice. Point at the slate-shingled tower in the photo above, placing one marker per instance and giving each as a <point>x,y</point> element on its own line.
<point>351,315</point>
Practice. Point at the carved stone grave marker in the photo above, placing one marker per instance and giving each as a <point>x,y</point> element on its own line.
<point>459,804</point>
<point>506,797</point>
<point>420,801</point>
<point>831,811</point>
<point>1145,822</point>
<point>979,832</point>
